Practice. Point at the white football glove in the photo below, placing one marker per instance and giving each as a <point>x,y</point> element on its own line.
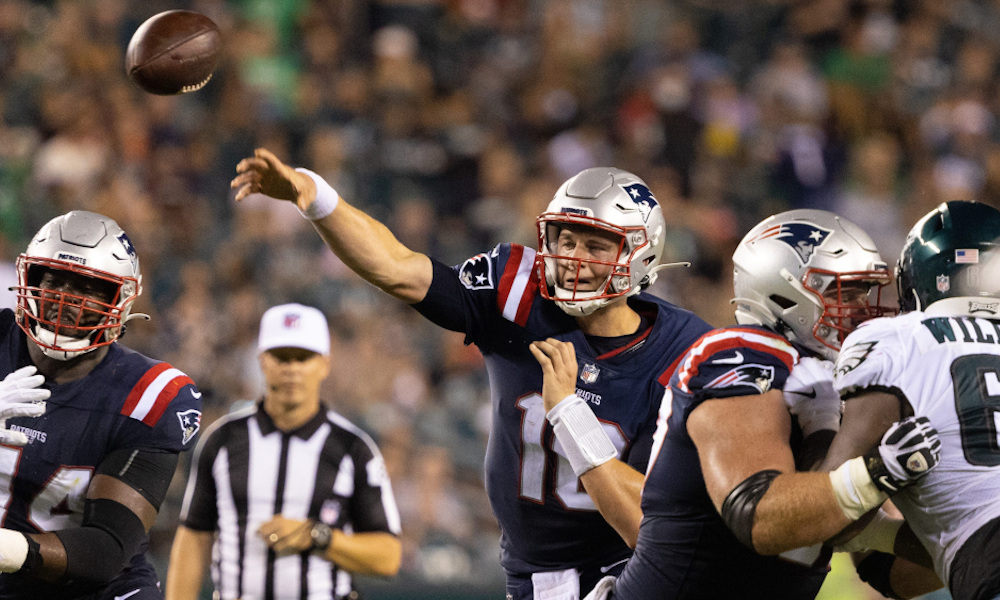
<point>20,396</point>
<point>811,397</point>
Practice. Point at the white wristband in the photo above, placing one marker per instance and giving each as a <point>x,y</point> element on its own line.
<point>13,550</point>
<point>580,434</point>
<point>326,198</point>
<point>813,421</point>
<point>854,489</point>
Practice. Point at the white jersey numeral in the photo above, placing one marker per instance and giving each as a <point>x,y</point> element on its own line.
<point>58,505</point>
<point>535,453</point>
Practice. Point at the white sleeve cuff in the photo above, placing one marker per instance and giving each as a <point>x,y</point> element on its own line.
<point>326,198</point>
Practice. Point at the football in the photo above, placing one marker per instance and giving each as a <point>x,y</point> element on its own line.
<point>173,52</point>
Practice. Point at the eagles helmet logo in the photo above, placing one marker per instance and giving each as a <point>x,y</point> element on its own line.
<point>757,376</point>
<point>477,273</point>
<point>642,197</point>
<point>802,238</point>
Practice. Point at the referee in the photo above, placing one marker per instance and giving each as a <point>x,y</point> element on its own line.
<point>294,498</point>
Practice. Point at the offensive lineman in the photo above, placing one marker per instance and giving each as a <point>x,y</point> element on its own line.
<point>93,465</point>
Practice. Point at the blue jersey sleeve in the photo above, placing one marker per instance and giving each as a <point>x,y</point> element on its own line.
<point>485,290</point>
<point>737,361</point>
<point>163,410</point>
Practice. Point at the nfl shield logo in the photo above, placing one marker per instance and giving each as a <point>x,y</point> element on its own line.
<point>589,373</point>
<point>943,283</point>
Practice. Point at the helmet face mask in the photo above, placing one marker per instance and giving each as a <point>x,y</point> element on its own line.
<point>810,275</point>
<point>77,282</point>
<point>600,239</point>
<point>951,257</point>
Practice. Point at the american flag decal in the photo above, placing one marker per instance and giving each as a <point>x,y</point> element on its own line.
<point>968,256</point>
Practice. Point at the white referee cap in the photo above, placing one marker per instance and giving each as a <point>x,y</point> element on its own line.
<point>294,326</point>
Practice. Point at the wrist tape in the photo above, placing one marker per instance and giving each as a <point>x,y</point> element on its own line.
<point>326,198</point>
<point>854,489</point>
<point>580,434</point>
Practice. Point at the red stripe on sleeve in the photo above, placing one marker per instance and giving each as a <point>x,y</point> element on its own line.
<point>527,299</point>
<point>163,400</point>
<point>509,273</point>
<point>133,397</point>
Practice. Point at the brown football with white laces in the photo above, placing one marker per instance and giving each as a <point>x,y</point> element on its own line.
<point>173,52</point>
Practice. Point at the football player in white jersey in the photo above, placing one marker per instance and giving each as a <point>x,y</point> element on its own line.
<point>939,359</point>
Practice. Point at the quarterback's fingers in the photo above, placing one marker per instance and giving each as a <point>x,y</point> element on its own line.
<point>251,163</point>
<point>269,158</point>
<point>22,373</point>
<point>542,358</point>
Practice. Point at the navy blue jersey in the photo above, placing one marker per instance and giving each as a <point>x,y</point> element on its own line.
<point>547,520</point>
<point>684,548</point>
<point>128,401</point>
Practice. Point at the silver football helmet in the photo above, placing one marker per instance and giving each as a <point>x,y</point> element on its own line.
<point>93,249</point>
<point>810,275</point>
<point>617,205</point>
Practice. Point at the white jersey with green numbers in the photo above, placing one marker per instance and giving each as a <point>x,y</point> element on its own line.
<point>948,367</point>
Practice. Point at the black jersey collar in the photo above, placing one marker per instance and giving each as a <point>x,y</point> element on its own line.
<point>304,431</point>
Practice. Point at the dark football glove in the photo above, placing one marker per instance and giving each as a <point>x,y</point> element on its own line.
<point>908,451</point>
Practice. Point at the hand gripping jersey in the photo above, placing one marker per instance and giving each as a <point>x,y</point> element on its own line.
<point>128,401</point>
<point>948,367</point>
<point>684,548</point>
<point>548,521</point>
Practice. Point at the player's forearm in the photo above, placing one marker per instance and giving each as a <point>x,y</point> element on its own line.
<point>369,249</point>
<point>799,509</point>
<point>616,489</point>
<point>366,553</point>
<point>189,557</point>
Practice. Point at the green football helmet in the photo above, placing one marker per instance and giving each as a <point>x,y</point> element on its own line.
<point>952,254</point>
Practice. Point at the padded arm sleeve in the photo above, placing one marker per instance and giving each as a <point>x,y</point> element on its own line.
<point>97,551</point>
<point>146,471</point>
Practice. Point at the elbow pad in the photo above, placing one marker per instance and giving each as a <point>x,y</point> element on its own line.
<point>97,551</point>
<point>741,504</point>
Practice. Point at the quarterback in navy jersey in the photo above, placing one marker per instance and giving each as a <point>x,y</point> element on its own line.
<point>82,486</point>
<point>601,241</point>
<point>802,282</point>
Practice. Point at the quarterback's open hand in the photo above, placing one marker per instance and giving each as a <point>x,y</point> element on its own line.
<point>20,396</point>
<point>558,361</point>
<point>264,173</point>
<point>908,451</point>
<point>811,397</point>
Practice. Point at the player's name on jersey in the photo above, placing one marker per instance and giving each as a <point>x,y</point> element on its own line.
<point>964,329</point>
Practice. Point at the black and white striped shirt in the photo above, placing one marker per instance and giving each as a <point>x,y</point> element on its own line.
<point>246,470</point>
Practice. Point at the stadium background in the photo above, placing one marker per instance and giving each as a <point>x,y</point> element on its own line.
<point>454,121</point>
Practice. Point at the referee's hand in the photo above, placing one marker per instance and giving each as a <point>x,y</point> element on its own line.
<point>286,536</point>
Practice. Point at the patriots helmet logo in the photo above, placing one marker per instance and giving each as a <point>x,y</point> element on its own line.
<point>190,423</point>
<point>130,249</point>
<point>643,198</point>
<point>803,238</point>
<point>757,376</point>
<point>476,273</point>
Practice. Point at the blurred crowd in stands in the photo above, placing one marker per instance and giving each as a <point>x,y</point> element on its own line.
<point>454,121</point>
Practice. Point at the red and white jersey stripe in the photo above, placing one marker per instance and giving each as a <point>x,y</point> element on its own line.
<point>518,285</point>
<point>153,393</point>
<point>734,338</point>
